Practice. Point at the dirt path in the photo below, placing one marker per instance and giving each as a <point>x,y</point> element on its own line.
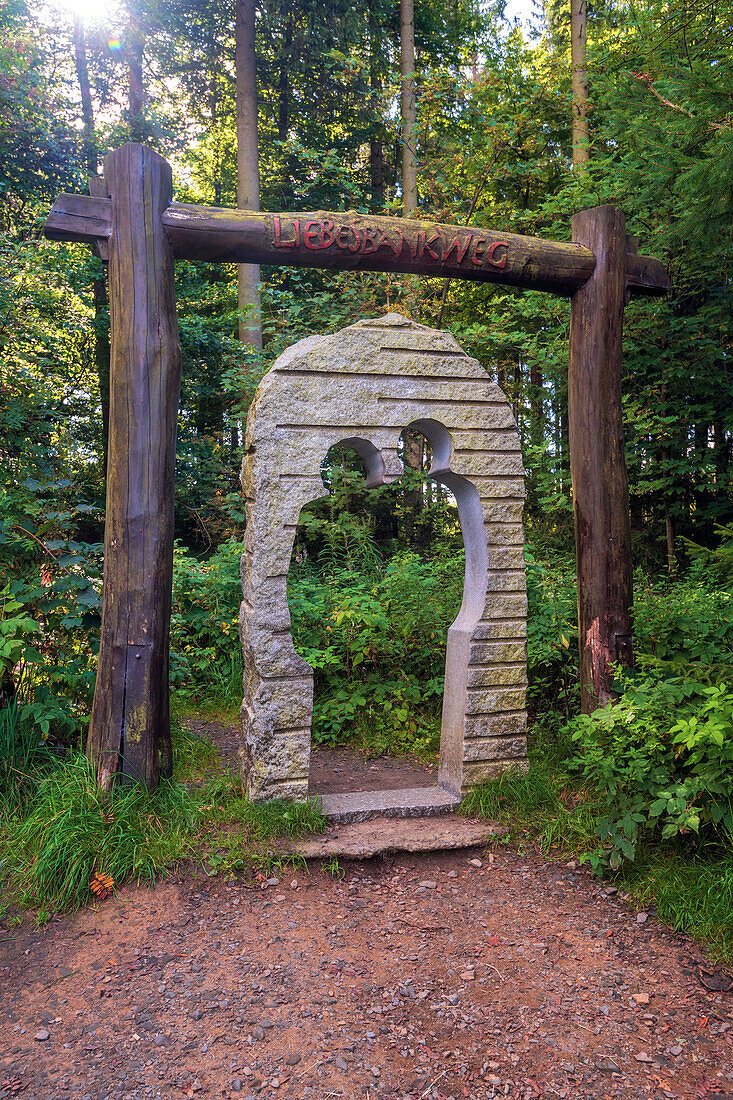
<point>436,976</point>
<point>424,977</point>
<point>332,770</point>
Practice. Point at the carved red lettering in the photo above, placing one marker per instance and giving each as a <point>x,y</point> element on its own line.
<point>311,234</point>
<point>501,262</point>
<point>424,245</point>
<point>461,248</point>
<point>371,239</point>
<point>328,234</point>
<point>344,235</point>
<point>387,242</point>
<point>479,250</point>
<point>318,235</point>
<point>279,242</point>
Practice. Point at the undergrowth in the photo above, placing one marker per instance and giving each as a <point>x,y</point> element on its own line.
<point>56,849</point>
<point>556,810</point>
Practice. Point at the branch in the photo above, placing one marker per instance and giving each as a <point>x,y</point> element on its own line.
<point>646,80</point>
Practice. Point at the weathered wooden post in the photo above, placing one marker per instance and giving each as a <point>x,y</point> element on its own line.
<point>129,731</point>
<point>597,459</point>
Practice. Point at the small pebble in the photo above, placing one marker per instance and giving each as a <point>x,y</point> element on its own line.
<point>475,863</point>
<point>42,1035</point>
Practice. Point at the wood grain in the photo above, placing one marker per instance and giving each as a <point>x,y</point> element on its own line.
<point>129,730</point>
<point>597,460</point>
<point>350,241</point>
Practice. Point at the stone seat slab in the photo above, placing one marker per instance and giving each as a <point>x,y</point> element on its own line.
<point>410,802</point>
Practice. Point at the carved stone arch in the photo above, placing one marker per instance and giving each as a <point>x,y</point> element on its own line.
<point>361,387</point>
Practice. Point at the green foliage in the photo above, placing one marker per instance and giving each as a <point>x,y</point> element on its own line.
<point>552,633</point>
<point>376,642</point>
<point>52,845</point>
<point>662,756</point>
<point>205,649</point>
<point>685,626</point>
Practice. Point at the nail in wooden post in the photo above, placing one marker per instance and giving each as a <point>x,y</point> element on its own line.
<point>597,460</point>
<point>129,731</point>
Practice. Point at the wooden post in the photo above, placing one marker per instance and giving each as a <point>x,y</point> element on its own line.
<point>129,731</point>
<point>597,460</point>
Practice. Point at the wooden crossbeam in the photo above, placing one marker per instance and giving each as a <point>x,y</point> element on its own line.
<point>353,241</point>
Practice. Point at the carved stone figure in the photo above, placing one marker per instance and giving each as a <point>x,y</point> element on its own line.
<point>360,388</point>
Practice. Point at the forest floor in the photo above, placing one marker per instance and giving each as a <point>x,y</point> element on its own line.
<point>436,975</point>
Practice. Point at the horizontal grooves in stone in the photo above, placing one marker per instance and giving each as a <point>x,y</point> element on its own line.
<point>380,376</point>
<point>302,477</point>
<point>431,351</point>
<point>460,402</point>
<point>499,714</point>
<point>352,429</point>
<point>495,664</point>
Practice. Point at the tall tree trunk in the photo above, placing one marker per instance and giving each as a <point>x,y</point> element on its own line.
<point>536,405</point>
<point>579,81</point>
<point>139,130</point>
<point>87,112</point>
<point>248,171</point>
<point>99,283</point>
<point>376,144</point>
<point>407,106</point>
<point>283,103</point>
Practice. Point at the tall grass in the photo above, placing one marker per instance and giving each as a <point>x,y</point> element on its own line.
<point>52,846</point>
<point>22,753</point>
<point>74,829</point>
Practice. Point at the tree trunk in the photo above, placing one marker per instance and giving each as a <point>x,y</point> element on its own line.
<point>283,105</point>
<point>87,112</point>
<point>129,730</point>
<point>248,172</point>
<point>579,82</point>
<point>376,143</point>
<point>413,498</point>
<point>139,130</point>
<point>597,459</point>
<point>99,283</point>
<point>102,359</point>
<point>407,106</point>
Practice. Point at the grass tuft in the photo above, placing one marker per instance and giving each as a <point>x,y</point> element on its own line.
<point>73,831</point>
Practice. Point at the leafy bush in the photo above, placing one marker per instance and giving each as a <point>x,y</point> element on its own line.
<point>205,651</point>
<point>376,642</point>
<point>552,634</point>
<point>661,758</point>
<point>685,626</point>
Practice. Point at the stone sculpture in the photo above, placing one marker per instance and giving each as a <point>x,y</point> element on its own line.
<point>360,388</point>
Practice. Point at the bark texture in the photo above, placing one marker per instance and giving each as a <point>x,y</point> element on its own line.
<point>408,106</point>
<point>129,731</point>
<point>248,172</point>
<point>597,460</point>
<point>579,81</point>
